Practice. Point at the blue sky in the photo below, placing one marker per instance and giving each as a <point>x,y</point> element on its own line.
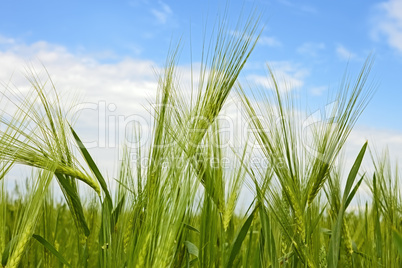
<point>108,48</point>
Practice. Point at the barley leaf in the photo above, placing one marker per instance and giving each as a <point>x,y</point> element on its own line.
<point>51,248</point>
<point>6,252</point>
<point>191,228</point>
<point>352,194</point>
<point>397,241</point>
<point>269,239</point>
<point>74,202</point>
<point>117,210</point>
<point>191,248</point>
<point>239,239</point>
<point>353,173</point>
<point>335,242</point>
<point>92,166</point>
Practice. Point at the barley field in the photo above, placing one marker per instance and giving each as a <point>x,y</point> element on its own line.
<point>185,213</point>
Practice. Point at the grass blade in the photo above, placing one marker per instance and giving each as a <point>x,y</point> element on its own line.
<point>74,202</point>
<point>239,239</point>
<point>352,194</point>
<point>92,166</point>
<point>397,241</point>
<point>6,253</point>
<point>191,248</point>
<point>191,228</point>
<point>353,173</point>
<point>51,248</point>
<point>334,247</point>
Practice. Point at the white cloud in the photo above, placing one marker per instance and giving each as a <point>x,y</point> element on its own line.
<point>162,13</point>
<point>309,9</point>
<point>288,75</point>
<point>311,48</point>
<point>80,72</point>
<point>345,54</point>
<point>304,8</point>
<point>262,40</point>
<point>378,141</point>
<point>318,91</point>
<point>107,92</point>
<point>6,41</point>
<point>136,3</point>
<point>269,41</point>
<point>388,22</point>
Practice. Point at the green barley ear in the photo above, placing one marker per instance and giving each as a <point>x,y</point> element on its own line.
<point>187,125</point>
<point>229,209</point>
<point>220,70</point>
<point>385,211</point>
<point>29,218</point>
<point>236,180</point>
<point>300,171</point>
<point>142,255</point>
<point>346,249</point>
<point>351,100</point>
<point>218,77</point>
<point>38,135</point>
<point>38,131</point>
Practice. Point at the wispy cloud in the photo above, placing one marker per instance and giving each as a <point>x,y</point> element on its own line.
<point>162,12</point>
<point>318,91</point>
<point>289,76</point>
<point>6,40</point>
<point>269,41</point>
<point>309,9</point>
<point>379,140</point>
<point>388,22</point>
<point>136,3</point>
<point>344,53</point>
<point>311,49</point>
<point>263,40</point>
<point>300,7</point>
